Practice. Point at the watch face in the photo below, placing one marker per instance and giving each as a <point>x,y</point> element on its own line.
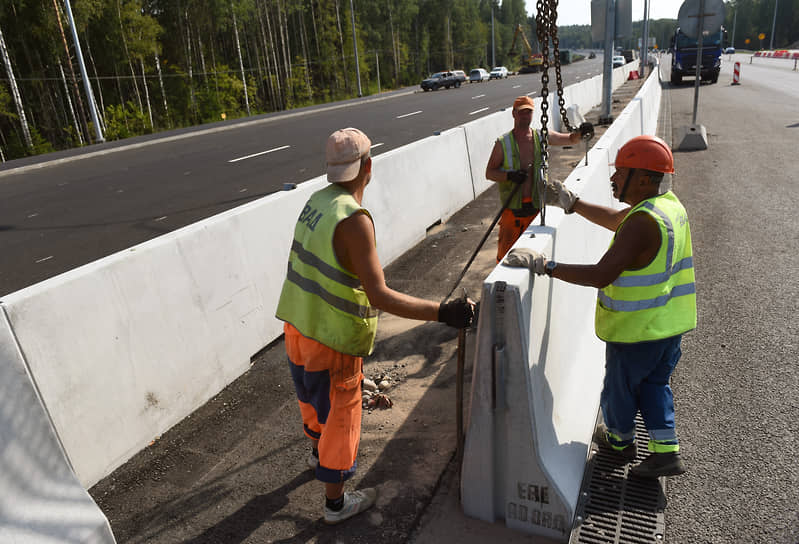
<point>551,266</point>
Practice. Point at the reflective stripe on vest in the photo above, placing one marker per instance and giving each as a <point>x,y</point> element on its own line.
<point>512,161</point>
<point>658,301</point>
<point>321,299</point>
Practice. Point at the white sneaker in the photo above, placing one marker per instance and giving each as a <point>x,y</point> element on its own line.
<point>313,461</point>
<point>355,502</point>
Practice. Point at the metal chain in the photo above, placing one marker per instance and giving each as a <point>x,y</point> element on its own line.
<point>542,32</point>
<point>553,21</point>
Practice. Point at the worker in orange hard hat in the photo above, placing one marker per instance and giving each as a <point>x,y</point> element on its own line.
<point>516,160</point>
<point>645,303</point>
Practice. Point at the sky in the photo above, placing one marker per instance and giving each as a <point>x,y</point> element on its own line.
<point>578,12</point>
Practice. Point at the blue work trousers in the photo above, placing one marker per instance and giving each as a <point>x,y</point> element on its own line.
<point>637,378</point>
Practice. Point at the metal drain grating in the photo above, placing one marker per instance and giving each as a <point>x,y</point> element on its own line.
<point>616,507</point>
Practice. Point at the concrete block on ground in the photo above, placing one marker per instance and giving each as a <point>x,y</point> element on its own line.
<point>41,499</point>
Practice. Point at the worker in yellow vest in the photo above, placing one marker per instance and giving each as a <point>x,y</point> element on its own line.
<point>646,300</point>
<point>329,301</point>
<point>514,156</point>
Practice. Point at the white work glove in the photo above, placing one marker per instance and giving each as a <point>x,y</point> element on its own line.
<point>527,258</point>
<point>558,195</point>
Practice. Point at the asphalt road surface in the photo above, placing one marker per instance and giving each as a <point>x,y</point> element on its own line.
<point>737,382</point>
<point>57,213</point>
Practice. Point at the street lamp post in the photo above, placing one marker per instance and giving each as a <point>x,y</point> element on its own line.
<point>87,85</point>
<point>355,48</point>
<point>773,24</point>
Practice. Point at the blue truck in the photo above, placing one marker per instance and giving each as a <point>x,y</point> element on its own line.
<point>683,56</point>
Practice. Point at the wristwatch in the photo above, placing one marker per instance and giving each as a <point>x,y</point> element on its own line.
<point>550,267</point>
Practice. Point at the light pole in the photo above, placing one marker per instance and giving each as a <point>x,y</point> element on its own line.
<point>773,25</point>
<point>493,55</point>
<point>355,48</point>
<point>645,38</point>
<point>89,94</point>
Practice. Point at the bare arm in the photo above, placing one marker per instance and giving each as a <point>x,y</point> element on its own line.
<point>636,244</point>
<point>563,138</point>
<point>494,171</point>
<point>601,215</point>
<point>354,244</point>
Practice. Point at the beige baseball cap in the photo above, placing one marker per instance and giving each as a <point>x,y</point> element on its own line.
<point>344,151</point>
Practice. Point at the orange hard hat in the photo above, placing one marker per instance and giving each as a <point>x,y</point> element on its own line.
<point>646,152</point>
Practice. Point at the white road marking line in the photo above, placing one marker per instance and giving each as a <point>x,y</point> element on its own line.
<point>478,96</point>
<point>531,93</point>
<point>33,215</point>
<point>516,86</point>
<point>377,145</point>
<point>261,153</point>
<point>45,259</point>
<point>478,111</point>
<point>243,190</point>
<point>409,114</point>
<point>160,218</point>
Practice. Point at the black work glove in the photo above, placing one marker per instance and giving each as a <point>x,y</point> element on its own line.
<point>517,176</point>
<point>586,131</point>
<point>456,313</point>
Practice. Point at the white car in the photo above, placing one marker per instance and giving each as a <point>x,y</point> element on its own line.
<point>478,75</point>
<point>498,72</point>
<point>619,60</point>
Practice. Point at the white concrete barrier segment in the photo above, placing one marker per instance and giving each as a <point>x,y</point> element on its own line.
<point>41,500</point>
<point>539,366</point>
<point>125,347</point>
<point>416,186</point>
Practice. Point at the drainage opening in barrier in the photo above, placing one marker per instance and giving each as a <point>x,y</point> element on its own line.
<point>616,507</point>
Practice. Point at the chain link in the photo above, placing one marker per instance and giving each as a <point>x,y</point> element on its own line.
<point>542,32</point>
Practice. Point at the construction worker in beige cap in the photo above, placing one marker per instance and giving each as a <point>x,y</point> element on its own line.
<point>329,302</point>
<point>515,155</point>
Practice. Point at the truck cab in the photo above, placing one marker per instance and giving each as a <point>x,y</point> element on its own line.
<point>684,53</point>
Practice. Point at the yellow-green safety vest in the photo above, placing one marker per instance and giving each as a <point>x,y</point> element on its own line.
<point>659,300</point>
<point>319,297</point>
<point>512,161</point>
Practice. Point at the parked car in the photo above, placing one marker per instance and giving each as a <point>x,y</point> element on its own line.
<point>478,75</point>
<point>440,79</point>
<point>460,75</point>
<point>498,72</point>
<point>730,50</point>
<point>619,60</point>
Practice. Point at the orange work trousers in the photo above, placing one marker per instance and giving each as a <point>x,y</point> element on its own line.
<point>328,386</point>
<point>510,228</point>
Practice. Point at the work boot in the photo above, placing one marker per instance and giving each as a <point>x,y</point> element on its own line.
<point>627,455</point>
<point>355,502</point>
<point>659,464</point>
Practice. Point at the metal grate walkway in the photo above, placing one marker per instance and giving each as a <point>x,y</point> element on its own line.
<point>616,507</point>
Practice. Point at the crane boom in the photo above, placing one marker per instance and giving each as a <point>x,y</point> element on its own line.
<point>531,62</point>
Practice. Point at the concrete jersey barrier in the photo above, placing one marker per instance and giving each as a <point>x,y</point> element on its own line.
<point>539,366</point>
<point>123,348</point>
<point>41,502</point>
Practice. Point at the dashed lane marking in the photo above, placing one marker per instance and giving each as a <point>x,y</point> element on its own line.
<point>478,96</point>
<point>409,114</point>
<point>477,111</point>
<point>45,259</point>
<point>261,153</point>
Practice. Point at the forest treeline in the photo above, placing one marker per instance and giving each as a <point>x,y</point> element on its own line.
<point>156,65</point>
